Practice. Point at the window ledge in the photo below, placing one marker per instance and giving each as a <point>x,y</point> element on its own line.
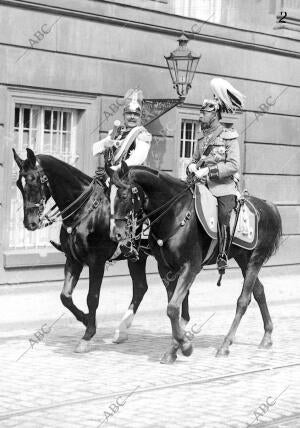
<point>32,258</point>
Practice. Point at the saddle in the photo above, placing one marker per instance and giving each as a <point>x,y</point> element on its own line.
<point>206,205</point>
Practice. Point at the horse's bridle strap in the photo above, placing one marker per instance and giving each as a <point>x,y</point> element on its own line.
<point>169,205</point>
<point>83,197</point>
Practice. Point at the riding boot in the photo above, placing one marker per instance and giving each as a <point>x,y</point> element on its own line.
<point>224,240</point>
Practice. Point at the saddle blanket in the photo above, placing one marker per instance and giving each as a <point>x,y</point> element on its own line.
<point>246,233</point>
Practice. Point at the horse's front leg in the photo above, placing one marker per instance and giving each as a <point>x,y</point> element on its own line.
<point>96,272</point>
<point>176,295</point>
<point>139,287</point>
<point>72,273</point>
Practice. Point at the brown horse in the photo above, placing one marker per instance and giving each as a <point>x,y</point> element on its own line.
<point>180,241</point>
<point>85,208</point>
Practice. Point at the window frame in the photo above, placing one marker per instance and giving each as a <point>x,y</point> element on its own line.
<point>182,113</point>
<point>42,241</point>
<point>88,112</point>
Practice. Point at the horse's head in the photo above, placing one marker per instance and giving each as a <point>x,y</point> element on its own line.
<point>126,203</point>
<point>32,185</point>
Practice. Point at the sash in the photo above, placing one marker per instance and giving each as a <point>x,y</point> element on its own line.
<point>123,149</point>
<point>208,142</point>
<point>210,139</point>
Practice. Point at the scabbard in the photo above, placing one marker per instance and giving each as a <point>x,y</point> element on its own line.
<point>240,203</point>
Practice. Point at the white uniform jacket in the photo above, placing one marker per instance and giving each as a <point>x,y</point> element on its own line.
<point>131,145</point>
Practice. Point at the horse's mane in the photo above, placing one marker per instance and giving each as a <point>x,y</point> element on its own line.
<point>49,162</point>
<point>168,178</point>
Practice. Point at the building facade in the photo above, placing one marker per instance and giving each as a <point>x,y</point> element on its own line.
<point>66,64</point>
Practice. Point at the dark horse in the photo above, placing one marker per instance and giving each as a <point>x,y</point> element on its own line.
<point>185,247</point>
<point>84,236</point>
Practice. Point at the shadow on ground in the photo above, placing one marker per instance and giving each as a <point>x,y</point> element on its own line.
<point>142,342</point>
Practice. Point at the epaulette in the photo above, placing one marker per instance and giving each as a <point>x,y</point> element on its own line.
<point>229,134</point>
<point>145,136</point>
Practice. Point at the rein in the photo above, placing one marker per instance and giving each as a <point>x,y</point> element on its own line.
<point>168,205</point>
<point>82,199</point>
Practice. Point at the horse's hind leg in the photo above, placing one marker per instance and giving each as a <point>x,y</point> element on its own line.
<point>242,304</point>
<point>259,295</point>
<point>139,287</point>
<point>72,273</point>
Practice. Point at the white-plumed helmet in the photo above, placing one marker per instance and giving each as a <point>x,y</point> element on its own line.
<point>229,98</point>
<point>226,97</point>
<point>133,101</point>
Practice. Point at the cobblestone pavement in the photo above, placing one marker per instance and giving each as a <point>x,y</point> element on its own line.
<point>124,385</point>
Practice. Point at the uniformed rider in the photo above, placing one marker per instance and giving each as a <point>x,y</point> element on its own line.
<point>130,142</point>
<point>216,159</point>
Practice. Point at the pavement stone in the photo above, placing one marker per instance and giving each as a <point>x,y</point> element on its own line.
<point>51,386</point>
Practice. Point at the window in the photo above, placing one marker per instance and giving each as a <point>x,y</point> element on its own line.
<point>47,130</point>
<point>252,15</point>
<point>188,138</point>
<point>204,10</point>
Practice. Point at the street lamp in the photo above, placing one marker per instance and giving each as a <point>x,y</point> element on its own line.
<point>182,65</point>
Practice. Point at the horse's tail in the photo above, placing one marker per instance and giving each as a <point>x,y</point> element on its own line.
<point>270,230</point>
<point>278,235</point>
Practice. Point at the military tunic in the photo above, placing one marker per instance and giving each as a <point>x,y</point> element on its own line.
<point>134,154</point>
<point>218,150</point>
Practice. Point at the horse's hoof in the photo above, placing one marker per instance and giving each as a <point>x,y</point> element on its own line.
<point>83,346</point>
<point>222,352</point>
<point>265,343</point>
<point>168,358</point>
<point>187,349</point>
<point>120,336</point>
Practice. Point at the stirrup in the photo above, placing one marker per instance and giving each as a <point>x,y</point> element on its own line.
<point>222,263</point>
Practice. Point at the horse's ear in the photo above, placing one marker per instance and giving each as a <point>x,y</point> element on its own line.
<point>17,158</point>
<point>124,169</point>
<point>31,157</point>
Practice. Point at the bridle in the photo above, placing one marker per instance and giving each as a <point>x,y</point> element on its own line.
<point>46,218</point>
<point>132,219</point>
<point>136,217</point>
<point>49,217</point>
<point>41,205</point>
